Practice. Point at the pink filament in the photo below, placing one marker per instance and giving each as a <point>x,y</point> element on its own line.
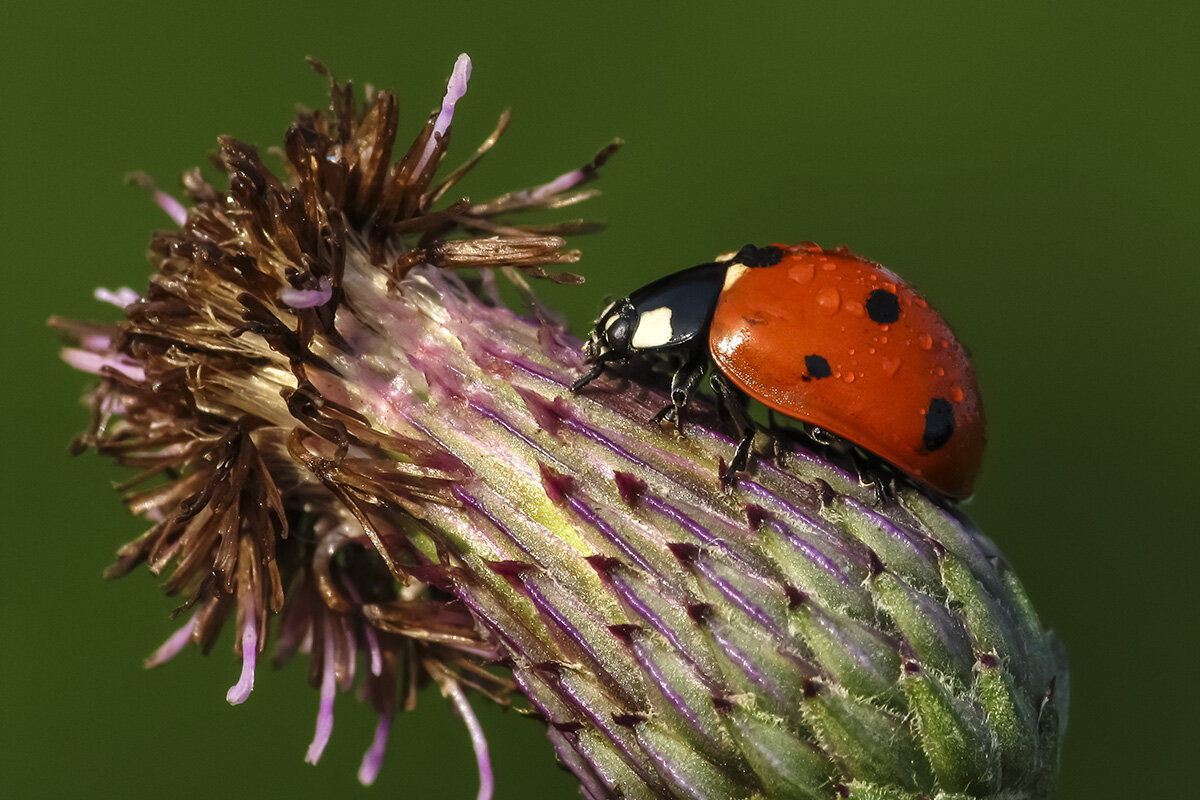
<point>308,298</point>
<point>120,298</point>
<point>478,740</point>
<point>560,184</point>
<point>373,758</point>
<point>173,207</point>
<point>240,691</point>
<point>176,642</point>
<point>456,87</point>
<point>97,362</point>
<point>325,715</point>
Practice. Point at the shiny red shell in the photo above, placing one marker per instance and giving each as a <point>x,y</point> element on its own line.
<point>840,342</point>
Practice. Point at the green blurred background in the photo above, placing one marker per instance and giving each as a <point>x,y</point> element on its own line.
<point>1031,166</point>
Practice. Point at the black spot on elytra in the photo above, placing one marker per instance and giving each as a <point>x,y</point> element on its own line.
<point>939,423</point>
<point>753,256</point>
<point>883,307</point>
<point>817,366</point>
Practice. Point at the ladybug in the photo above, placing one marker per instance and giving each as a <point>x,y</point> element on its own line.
<point>825,337</point>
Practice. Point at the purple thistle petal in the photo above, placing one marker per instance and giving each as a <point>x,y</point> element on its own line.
<point>176,642</point>
<point>373,649</point>
<point>120,298</point>
<point>96,342</point>
<point>478,740</point>
<point>308,298</point>
<point>325,714</point>
<point>240,691</point>
<point>456,87</point>
<point>373,758</point>
<point>173,207</point>
<point>97,363</point>
<point>560,184</point>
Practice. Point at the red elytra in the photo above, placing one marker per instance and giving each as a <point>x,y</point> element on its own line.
<point>838,341</point>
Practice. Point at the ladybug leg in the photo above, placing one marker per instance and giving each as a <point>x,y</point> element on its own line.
<point>781,442</point>
<point>683,383</point>
<point>591,374</point>
<point>869,476</point>
<point>733,402</point>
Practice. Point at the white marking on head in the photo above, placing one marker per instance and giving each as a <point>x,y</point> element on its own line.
<point>653,329</point>
<point>732,274</point>
<point>726,256</point>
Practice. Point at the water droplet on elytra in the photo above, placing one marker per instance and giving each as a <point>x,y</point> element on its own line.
<point>829,300</point>
<point>925,341</point>
<point>956,394</point>
<point>848,377</point>
<point>802,272</point>
<point>890,366</point>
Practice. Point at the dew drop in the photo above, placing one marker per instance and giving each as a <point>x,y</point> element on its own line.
<point>827,264</point>
<point>925,341</point>
<point>940,372</point>
<point>883,340</point>
<point>855,308</point>
<point>871,350</point>
<point>802,272</point>
<point>956,394</point>
<point>829,300</point>
<point>848,377</point>
<point>890,366</point>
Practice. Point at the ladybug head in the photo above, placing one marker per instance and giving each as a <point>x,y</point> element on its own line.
<point>613,335</point>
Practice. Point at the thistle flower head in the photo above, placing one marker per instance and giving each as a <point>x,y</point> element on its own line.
<point>352,450</point>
